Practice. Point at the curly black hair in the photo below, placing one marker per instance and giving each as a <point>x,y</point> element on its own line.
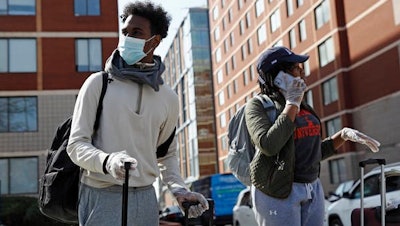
<point>268,87</point>
<point>158,17</point>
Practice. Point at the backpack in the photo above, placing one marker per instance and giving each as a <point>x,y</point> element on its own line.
<point>59,185</point>
<point>241,148</point>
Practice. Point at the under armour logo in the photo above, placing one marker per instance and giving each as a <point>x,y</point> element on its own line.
<point>273,212</point>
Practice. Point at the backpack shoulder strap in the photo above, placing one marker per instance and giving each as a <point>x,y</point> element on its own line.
<point>269,105</point>
<point>100,105</point>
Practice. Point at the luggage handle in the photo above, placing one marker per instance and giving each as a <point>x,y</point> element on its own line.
<point>127,166</point>
<point>372,161</point>
<point>382,163</point>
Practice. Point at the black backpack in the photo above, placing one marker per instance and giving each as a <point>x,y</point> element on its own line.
<point>59,185</point>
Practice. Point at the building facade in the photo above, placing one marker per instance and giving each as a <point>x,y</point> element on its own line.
<point>47,50</point>
<point>189,73</point>
<point>353,74</point>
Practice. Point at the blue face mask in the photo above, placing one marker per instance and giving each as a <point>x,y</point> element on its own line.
<point>131,49</point>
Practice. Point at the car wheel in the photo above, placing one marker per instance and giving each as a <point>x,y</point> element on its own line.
<point>335,222</point>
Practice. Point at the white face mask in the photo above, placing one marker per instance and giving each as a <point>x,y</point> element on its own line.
<point>131,49</point>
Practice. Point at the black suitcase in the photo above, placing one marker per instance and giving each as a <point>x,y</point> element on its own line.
<point>374,216</point>
<point>207,218</point>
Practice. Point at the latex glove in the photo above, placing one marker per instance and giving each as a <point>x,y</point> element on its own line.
<point>358,137</point>
<point>294,92</point>
<point>115,165</point>
<point>181,195</point>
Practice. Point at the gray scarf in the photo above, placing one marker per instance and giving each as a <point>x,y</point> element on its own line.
<point>151,76</point>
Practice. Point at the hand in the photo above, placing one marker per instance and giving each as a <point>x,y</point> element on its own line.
<point>358,137</point>
<point>181,195</point>
<point>294,92</point>
<point>115,165</point>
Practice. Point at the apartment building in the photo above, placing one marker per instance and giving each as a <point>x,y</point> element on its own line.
<point>47,49</point>
<point>188,72</point>
<point>353,74</point>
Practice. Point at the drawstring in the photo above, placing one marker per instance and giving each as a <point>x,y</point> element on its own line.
<point>309,189</point>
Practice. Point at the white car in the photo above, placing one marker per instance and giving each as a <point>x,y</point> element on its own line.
<point>242,211</point>
<point>339,211</point>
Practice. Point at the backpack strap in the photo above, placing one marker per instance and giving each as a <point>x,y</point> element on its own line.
<point>269,105</point>
<point>100,105</point>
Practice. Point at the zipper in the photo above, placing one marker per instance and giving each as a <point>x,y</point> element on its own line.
<point>139,101</point>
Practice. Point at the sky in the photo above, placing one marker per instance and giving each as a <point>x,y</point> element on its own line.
<point>177,9</point>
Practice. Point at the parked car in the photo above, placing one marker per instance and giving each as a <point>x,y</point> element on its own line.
<point>172,214</point>
<point>242,211</point>
<point>340,190</point>
<point>339,212</point>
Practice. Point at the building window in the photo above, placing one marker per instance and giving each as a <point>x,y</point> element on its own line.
<point>215,13</point>
<point>322,14</point>
<point>240,4</point>
<point>18,7</point>
<point>235,86</point>
<point>333,126</point>
<point>224,23</point>
<point>262,34</point>
<point>244,51</point>
<point>229,90</point>
<point>252,73</point>
<point>218,55</point>
<point>326,52</point>
<point>221,98</point>
<point>220,76</point>
<point>302,30</point>
<point>87,7</point>
<point>222,119</point>
<point>299,3</point>
<point>241,27</point>
<point>259,7</point>
<point>230,15</point>
<point>233,60</point>
<point>278,43</point>
<point>18,114</point>
<point>226,46</point>
<point>245,78</point>
<point>14,52</point>
<point>337,170</point>
<point>309,98</point>
<point>289,5</point>
<point>292,38</point>
<point>248,20</point>
<point>330,91</point>
<point>19,175</point>
<point>275,20</point>
<point>224,143</point>
<point>88,54</point>
<point>227,68</point>
<point>232,38</point>
<point>306,67</point>
<point>250,46</point>
<point>216,33</point>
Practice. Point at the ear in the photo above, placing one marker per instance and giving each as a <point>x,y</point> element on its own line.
<point>157,40</point>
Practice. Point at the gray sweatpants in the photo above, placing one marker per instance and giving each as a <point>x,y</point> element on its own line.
<point>303,207</point>
<point>103,206</point>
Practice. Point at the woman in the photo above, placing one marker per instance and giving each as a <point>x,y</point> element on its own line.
<point>286,189</point>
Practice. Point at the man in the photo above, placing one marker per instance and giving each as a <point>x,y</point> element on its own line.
<point>137,124</point>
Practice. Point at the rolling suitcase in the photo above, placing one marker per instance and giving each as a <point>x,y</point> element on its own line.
<point>361,215</point>
<point>207,218</point>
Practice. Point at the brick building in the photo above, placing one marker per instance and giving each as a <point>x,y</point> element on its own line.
<point>353,74</point>
<point>47,49</point>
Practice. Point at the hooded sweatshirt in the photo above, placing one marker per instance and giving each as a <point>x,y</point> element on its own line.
<point>139,114</point>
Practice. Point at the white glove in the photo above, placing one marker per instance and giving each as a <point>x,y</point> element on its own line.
<point>358,137</point>
<point>115,165</point>
<point>294,92</point>
<point>182,195</point>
